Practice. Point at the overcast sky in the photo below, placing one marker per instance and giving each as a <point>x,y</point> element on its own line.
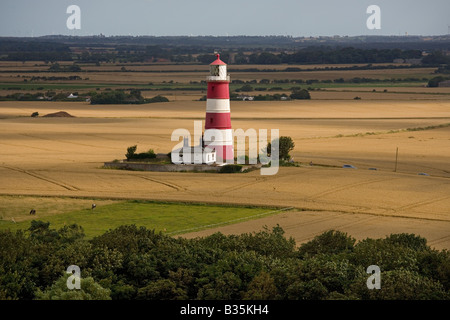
<point>220,18</point>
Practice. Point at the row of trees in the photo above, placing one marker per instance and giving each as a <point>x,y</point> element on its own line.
<point>53,51</point>
<point>328,55</point>
<point>122,97</point>
<point>133,262</point>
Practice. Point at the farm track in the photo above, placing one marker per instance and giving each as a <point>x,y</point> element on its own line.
<point>420,203</point>
<point>43,178</point>
<point>165,183</point>
<point>68,142</point>
<point>27,146</point>
<point>438,241</point>
<point>346,187</point>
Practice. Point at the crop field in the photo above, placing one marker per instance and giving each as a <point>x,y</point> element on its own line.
<point>54,165</point>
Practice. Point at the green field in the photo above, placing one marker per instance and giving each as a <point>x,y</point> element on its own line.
<point>170,218</point>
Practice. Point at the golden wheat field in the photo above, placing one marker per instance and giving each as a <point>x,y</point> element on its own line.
<point>64,157</point>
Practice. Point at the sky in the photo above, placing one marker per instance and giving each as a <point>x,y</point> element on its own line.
<point>297,18</point>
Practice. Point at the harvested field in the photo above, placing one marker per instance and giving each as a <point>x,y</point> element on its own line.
<point>62,157</point>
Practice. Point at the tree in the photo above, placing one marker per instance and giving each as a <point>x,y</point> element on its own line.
<point>329,242</point>
<point>434,82</point>
<point>246,88</point>
<point>436,58</point>
<point>131,152</point>
<point>301,94</point>
<point>400,284</point>
<point>163,289</point>
<point>285,145</point>
<point>262,287</point>
<point>89,290</point>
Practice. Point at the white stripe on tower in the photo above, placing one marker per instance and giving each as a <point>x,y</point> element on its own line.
<point>217,105</point>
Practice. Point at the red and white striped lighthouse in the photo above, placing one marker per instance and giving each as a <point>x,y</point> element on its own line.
<point>218,120</point>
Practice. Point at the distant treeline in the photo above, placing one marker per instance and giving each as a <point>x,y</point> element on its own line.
<point>321,55</point>
<point>122,97</point>
<point>53,78</point>
<point>35,50</point>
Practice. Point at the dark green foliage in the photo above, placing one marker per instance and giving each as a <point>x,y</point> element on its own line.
<point>231,168</point>
<point>121,97</point>
<point>262,287</point>
<point>285,145</point>
<point>329,242</point>
<point>131,152</point>
<point>434,82</point>
<point>436,58</point>
<point>158,98</point>
<point>300,94</point>
<point>245,88</point>
<point>408,240</point>
<point>133,262</point>
<point>132,155</point>
<point>89,290</point>
<point>56,67</point>
<point>35,114</point>
<point>401,284</point>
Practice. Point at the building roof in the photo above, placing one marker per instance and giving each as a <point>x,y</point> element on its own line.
<point>218,61</point>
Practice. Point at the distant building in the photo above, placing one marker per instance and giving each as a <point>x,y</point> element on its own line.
<point>245,98</point>
<point>413,61</point>
<point>445,83</point>
<point>408,61</point>
<point>71,96</point>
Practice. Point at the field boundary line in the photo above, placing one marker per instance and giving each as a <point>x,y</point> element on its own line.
<point>43,178</point>
<point>228,222</point>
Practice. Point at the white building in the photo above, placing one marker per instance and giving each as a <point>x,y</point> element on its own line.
<point>193,155</point>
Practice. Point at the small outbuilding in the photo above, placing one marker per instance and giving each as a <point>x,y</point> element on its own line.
<point>193,155</point>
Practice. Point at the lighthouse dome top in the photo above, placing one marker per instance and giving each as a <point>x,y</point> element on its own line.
<point>218,62</point>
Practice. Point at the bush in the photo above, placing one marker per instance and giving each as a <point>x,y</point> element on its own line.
<point>231,168</point>
<point>300,94</point>
<point>433,83</point>
<point>35,114</point>
<point>158,98</point>
<point>132,155</point>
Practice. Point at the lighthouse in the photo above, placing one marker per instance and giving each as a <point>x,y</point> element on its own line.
<point>218,133</point>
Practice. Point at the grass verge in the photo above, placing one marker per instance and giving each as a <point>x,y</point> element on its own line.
<point>170,218</point>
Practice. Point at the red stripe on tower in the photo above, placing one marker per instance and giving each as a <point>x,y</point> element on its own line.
<point>217,121</point>
<point>218,90</point>
<point>218,117</point>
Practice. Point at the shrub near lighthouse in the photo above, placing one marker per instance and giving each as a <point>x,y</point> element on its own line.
<point>218,132</point>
